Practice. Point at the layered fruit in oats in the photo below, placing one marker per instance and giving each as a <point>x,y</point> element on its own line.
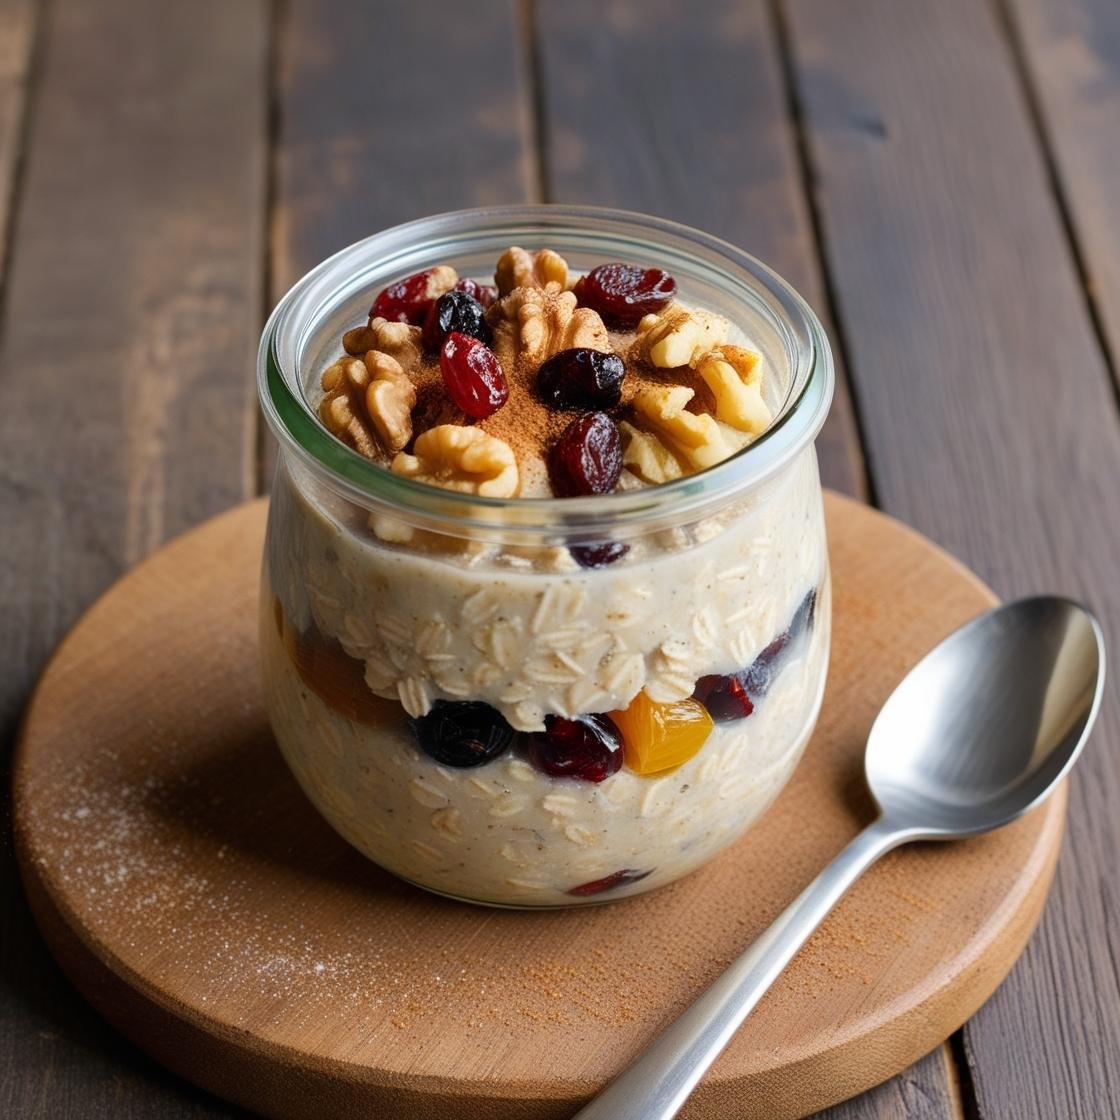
<point>539,718</point>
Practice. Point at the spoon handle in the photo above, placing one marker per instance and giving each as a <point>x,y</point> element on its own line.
<point>660,1080</point>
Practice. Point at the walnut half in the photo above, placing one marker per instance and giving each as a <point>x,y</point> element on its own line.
<point>461,458</point>
<point>532,324</point>
<point>368,404</point>
<point>390,399</point>
<point>342,408</point>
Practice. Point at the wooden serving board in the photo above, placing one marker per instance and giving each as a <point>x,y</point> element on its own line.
<point>200,903</point>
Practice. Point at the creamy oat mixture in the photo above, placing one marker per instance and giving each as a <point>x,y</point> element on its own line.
<point>538,726</point>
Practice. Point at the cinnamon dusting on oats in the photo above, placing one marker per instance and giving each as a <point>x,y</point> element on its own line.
<point>539,318</point>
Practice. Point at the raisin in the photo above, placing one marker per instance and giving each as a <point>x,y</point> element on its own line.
<point>624,293</point>
<point>463,733</point>
<point>473,376</point>
<point>587,458</point>
<point>581,378</point>
<point>588,747</point>
<point>455,311</point>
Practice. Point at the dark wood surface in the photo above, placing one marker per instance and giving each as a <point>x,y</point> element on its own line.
<point>940,180</point>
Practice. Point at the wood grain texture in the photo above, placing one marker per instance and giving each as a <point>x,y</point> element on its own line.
<point>680,110</point>
<point>392,111</point>
<point>386,112</point>
<point>18,19</point>
<point>197,898</point>
<point>991,425</point>
<point>1071,51</point>
<point>126,402</point>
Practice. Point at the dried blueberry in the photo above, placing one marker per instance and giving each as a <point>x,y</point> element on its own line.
<point>455,311</point>
<point>581,378</point>
<point>598,555</point>
<point>588,747</point>
<point>484,293</point>
<point>463,733</point>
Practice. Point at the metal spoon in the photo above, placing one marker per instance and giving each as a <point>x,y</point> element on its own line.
<point>980,731</point>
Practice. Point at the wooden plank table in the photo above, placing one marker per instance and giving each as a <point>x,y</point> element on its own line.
<point>940,180</point>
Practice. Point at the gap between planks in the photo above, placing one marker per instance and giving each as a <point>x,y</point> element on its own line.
<point>865,481</point>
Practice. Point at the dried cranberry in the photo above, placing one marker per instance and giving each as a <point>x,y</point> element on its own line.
<point>473,375</point>
<point>598,555</point>
<point>581,378</point>
<point>726,698</point>
<point>735,695</point>
<point>623,293</point>
<point>587,458</point>
<point>621,878</point>
<point>455,311</point>
<point>407,300</point>
<point>484,293</point>
<point>760,675</point>
<point>589,748</point>
<point>463,733</point>
<point>803,618</point>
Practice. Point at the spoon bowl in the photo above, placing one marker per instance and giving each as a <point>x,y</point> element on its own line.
<point>984,726</point>
<point>980,731</point>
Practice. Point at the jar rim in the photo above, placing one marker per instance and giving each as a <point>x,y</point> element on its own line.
<point>397,250</point>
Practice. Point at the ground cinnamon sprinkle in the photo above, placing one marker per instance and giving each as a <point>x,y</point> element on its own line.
<point>525,422</point>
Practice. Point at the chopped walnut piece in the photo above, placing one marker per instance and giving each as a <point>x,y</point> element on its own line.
<point>461,458</point>
<point>679,336</point>
<point>695,436</point>
<point>646,456</point>
<point>390,529</point>
<point>734,376</point>
<point>531,325</point>
<point>398,340</point>
<point>518,268</point>
<point>342,409</point>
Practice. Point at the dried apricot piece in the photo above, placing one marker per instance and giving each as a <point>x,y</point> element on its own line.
<point>338,679</point>
<point>657,737</point>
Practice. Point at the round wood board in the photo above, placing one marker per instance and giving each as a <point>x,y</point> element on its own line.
<point>196,898</point>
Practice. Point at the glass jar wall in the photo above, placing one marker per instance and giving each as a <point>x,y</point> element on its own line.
<point>416,642</point>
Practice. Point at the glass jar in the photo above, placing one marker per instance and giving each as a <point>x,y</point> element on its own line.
<point>389,605</point>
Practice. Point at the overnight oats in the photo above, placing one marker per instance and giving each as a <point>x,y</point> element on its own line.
<point>545,610</point>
